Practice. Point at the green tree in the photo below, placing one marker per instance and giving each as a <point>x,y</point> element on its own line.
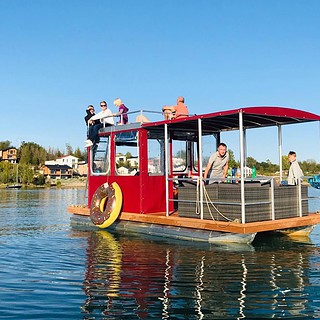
<point>39,179</point>
<point>5,144</point>
<point>285,163</point>
<point>120,164</point>
<point>59,154</point>
<point>5,172</point>
<point>80,155</point>
<point>26,174</point>
<point>251,162</point>
<point>127,164</point>
<point>232,162</point>
<point>31,153</point>
<point>308,166</point>
<point>128,155</point>
<point>51,154</point>
<point>69,149</point>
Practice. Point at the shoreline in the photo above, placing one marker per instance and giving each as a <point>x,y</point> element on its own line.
<point>69,183</point>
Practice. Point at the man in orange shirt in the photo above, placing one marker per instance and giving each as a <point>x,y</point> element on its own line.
<point>176,112</point>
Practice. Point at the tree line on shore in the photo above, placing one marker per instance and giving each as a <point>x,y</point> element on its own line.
<point>31,157</point>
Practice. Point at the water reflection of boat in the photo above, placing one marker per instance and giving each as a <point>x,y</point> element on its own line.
<point>140,278</point>
<point>153,192</point>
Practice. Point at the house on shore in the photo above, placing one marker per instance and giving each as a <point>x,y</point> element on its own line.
<point>79,168</point>
<point>56,171</point>
<point>70,161</point>
<point>9,155</point>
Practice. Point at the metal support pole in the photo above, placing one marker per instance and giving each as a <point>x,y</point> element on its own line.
<point>166,152</point>
<point>201,186</point>
<point>273,217</point>
<point>245,150</point>
<point>299,198</point>
<point>218,138</point>
<point>280,149</point>
<point>243,207</point>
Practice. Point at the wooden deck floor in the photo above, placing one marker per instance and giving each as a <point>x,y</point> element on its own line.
<point>176,221</point>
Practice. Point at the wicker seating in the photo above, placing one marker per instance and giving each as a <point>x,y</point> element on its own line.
<point>226,199</point>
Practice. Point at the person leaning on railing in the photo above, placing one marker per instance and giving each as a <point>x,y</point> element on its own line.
<point>218,163</point>
<point>123,110</point>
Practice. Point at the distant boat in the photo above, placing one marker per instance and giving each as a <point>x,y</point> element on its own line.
<point>14,186</point>
<point>315,181</point>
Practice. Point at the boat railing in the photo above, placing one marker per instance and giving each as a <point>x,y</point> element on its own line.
<point>139,116</point>
<point>264,199</point>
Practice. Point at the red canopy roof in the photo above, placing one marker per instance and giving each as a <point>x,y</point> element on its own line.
<point>253,117</point>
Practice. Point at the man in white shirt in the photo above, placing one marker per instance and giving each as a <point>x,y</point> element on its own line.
<point>295,172</point>
<point>106,119</point>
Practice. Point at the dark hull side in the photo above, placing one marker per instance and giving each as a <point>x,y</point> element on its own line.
<point>172,232</point>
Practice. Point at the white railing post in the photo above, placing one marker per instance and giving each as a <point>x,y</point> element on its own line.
<point>245,151</point>
<point>273,216</point>
<point>200,180</point>
<point>166,151</point>
<point>280,150</point>
<point>299,198</point>
<point>243,205</point>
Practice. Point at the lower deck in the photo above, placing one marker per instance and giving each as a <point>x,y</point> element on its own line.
<point>174,220</point>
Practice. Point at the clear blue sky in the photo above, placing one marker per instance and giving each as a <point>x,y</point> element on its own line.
<point>59,56</point>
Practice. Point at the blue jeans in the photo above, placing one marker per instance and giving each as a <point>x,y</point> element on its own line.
<point>93,132</point>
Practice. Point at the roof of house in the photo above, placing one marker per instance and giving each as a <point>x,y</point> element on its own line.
<point>10,148</point>
<point>57,166</point>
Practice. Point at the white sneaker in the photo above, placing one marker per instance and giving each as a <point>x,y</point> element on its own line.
<point>88,143</point>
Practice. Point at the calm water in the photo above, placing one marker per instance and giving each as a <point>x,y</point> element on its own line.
<point>49,270</point>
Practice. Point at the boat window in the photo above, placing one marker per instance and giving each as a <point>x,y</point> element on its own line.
<point>195,157</point>
<point>127,153</point>
<point>156,156</point>
<point>208,147</point>
<point>179,155</point>
<point>100,154</point>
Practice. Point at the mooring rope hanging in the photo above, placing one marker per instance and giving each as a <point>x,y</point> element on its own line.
<point>207,200</point>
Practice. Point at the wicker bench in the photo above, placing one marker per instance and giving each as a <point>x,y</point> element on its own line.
<point>226,199</point>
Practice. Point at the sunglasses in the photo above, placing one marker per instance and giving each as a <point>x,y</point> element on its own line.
<point>103,105</point>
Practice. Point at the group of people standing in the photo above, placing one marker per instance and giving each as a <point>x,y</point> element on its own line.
<point>104,118</point>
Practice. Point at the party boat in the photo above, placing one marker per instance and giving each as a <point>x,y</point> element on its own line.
<point>145,177</point>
